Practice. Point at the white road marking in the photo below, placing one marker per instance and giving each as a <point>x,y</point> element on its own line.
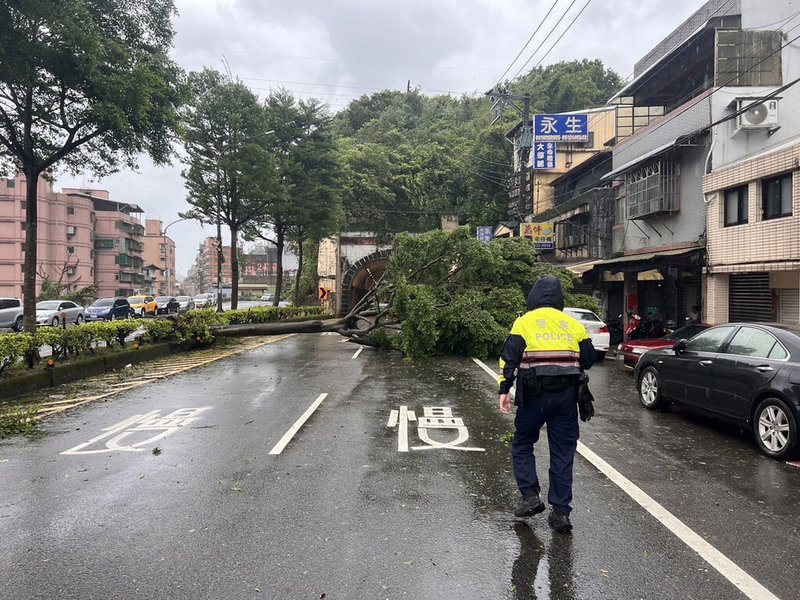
<point>726,567</point>
<point>357,352</point>
<point>287,437</point>
<point>152,423</point>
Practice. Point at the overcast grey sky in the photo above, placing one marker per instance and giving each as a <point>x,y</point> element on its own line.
<point>338,50</point>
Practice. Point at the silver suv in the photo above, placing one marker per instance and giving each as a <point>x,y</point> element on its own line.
<point>11,313</point>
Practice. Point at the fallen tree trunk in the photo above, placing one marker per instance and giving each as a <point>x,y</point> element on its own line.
<point>316,326</point>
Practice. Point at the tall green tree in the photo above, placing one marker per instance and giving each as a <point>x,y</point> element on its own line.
<point>230,167</point>
<point>568,86</point>
<point>84,85</point>
<point>305,204</point>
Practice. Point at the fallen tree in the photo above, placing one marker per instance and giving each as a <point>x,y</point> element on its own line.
<point>441,293</point>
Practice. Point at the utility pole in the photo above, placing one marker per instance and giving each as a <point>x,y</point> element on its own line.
<point>523,141</point>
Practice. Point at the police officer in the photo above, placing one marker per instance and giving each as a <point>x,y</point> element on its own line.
<point>545,351</point>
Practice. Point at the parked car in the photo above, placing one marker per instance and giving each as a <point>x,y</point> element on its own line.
<point>630,351</point>
<point>109,309</point>
<point>185,303</point>
<point>205,301</point>
<point>595,327</point>
<point>11,314</point>
<point>267,297</point>
<point>143,305</point>
<point>167,305</point>
<point>747,374</point>
<point>49,312</point>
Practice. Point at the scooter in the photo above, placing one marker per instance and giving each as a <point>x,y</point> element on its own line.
<point>639,329</point>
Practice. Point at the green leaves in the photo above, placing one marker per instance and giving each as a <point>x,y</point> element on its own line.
<point>455,295</point>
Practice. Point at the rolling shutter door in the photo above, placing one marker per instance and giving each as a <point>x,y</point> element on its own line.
<point>750,298</point>
<point>789,307</point>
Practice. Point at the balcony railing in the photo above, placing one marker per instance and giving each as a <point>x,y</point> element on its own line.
<point>652,190</point>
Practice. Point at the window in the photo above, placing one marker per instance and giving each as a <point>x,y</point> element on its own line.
<point>736,206</point>
<point>70,210</point>
<point>750,341</point>
<point>10,182</point>
<point>776,197</point>
<point>709,340</point>
<point>24,246</point>
<point>23,205</point>
<point>70,249</point>
<point>22,225</point>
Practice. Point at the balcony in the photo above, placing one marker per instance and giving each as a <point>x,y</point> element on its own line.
<point>652,190</point>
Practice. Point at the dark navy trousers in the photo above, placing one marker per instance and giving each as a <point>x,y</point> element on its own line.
<point>559,410</point>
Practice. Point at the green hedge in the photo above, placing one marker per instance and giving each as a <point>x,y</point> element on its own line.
<point>191,328</point>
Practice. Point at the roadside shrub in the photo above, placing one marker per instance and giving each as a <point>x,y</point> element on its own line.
<point>158,331</point>
<point>10,350</point>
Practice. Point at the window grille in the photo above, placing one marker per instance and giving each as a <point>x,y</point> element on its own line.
<point>652,189</point>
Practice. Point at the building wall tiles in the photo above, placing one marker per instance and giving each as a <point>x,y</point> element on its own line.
<point>758,240</point>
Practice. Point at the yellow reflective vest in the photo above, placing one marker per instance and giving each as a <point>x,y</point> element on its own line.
<point>551,343</point>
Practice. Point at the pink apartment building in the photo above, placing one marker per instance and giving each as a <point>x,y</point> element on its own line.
<point>84,237</point>
<point>65,233</point>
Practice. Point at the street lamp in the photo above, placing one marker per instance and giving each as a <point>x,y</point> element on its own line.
<point>166,253</point>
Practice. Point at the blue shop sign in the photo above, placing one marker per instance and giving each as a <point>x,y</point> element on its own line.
<point>544,155</point>
<point>561,128</point>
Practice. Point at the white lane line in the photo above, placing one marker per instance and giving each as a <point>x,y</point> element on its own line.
<point>357,352</point>
<point>287,437</point>
<point>726,567</point>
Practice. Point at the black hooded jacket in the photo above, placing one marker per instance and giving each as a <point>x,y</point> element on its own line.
<point>545,293</point>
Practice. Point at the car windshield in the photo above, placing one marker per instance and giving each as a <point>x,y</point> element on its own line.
<point>685,332</point>
<point>162,299</point>
<point>47,305</point>
<point>582,315</point>
<point>183,298</point>
<point>103,302</point>
<point>136,299</point>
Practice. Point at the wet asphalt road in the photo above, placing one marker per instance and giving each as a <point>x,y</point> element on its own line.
<point>341,513</point>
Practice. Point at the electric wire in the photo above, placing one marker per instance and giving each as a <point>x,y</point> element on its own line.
<point>561,18</point>
<point>516,58</point>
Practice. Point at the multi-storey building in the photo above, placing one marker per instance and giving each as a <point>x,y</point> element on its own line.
<point>65,233</point>
<point>206,266</point>
<point>159,251</point>
<point>752,183</point>
<point>83,238</point>
<point>118,245</point>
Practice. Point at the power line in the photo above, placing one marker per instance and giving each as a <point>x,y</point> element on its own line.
<point>552,29</point>
<point>538,27</point>
<point>563,34</point>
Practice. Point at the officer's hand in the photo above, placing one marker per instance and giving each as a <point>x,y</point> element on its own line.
<point>505,404</point>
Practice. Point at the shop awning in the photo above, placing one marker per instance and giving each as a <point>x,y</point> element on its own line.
<point>581,268</point>
<point>637,262</point>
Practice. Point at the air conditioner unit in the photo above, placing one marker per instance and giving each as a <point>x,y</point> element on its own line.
<point>758,115</point>
<point>70,230</point>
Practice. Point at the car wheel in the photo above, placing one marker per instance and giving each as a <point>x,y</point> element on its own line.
<point>79,320</point>
<point>775,429</point>
<point>54,322</point>
<point>113,316</point>
<point>18,324</point>
<point>650,389</point>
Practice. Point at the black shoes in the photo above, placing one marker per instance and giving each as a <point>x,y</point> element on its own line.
<point>559,521</point>
<point>531,505</point>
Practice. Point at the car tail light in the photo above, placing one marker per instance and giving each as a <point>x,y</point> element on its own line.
<point>604,329</point>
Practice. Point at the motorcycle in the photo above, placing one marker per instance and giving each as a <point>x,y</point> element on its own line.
<point>642,329</point>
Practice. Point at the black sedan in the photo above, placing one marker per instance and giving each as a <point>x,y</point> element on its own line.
<point>167,305</point>
<point>747,374</point>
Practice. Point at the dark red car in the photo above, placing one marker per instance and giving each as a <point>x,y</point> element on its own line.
<point>630,351</point>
